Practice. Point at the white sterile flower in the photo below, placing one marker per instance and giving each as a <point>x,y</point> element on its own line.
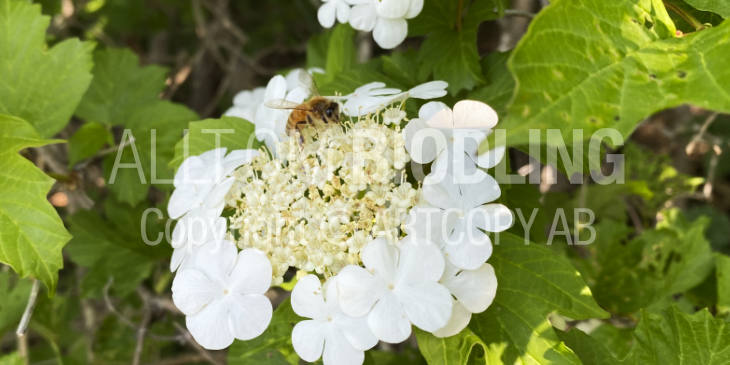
<point>367,99</point>
<point>271,123</point>
<point>473,292</point>
<point>374,96</point>
<point>438,129</point>
<point>331,9</point>
<point>194,229</point>
<point>342,338</point>
<point>399,288</point>
<point>202,181</point>
<point>385,18</point>
<point>458,216</point>
<point>222,294</point>
<point>245,104</point>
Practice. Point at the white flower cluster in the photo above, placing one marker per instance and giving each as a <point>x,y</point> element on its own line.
<point>317,204</point>
<point>378,255</point>
<point>385,18</point>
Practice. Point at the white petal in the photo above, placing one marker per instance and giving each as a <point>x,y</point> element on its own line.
<point>475,289</point>
<point>392,9</point>
<point>252,273</point>
<point>363,17</point>
<point>192,168</point>
<point>198,227</point>
<point>338,351</point>
<point>389,33</point>
<point>212,156</point>
<point>307,337</point>
<point>414,9</point>
<point>275,89</point>
<point>492,217</point>
<point>428,305</point>
<point>358,290</point>
<point>181,201</point>
<point>326,14</point>
<point>343,12</point>
<point>459,319</point>
<point>380,258</point>
<point>357,332</point>
<point>443,118</point>
<point>474,195</point>
<point>422,142</point>
<point>388,320</point>
<point>429,223</point>
<point>250,315</point>
<point>443,194</point>
<point>307,299</point>
<point>429,90</point>
<point>215,199</point>
<point>420,260</point>
<point>216,259</point>
<point>179,255</point>
<point>430,109</point>
<point>211,327</point>
<point>237,158</point>
<point>474,114</point>
<point>468,247</point>
<point>491,158</point>
<point>192,290</point>
<point>297,95</point>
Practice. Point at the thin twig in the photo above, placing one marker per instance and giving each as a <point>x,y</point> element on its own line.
<point>25,320</point>
<point>694,145</point>
<point>142,328</point>
<point>517,12</point>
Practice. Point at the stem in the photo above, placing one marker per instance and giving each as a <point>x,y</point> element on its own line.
<point>25,320</point>
<point>517,12</point>
<point>685,15</point>
<point>459,9</point>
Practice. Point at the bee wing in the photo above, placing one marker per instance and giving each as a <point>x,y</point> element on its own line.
<point>281,104</point>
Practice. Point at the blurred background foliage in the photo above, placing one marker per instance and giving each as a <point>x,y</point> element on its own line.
<point>662,237</point>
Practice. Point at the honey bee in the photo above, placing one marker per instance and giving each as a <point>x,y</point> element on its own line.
<point>316,111</point>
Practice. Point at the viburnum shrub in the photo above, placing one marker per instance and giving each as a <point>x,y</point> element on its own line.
<point>365,182</point>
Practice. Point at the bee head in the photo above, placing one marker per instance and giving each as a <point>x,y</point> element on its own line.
<point>329,110</point>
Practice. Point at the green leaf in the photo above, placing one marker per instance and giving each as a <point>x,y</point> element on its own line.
<point>31,232</point>
<point>341,53</point>
<point>721,7</point>
<point>155,127</point>
<point>14,292</point>
<point>463,348</point>
<point>87,141</point>
<point>660,262</point>
<point>722,273</point>
<point>123,93</point>
<point>616,64</point>
<point>533,282</point>
<point>451,55</point>
<point>230,132</point>
<point>120,87</point>
<point>273,346</point>
<point>499,83</point>
<point>673,337</point>
<point>11,359</point>
<point>450,51</point>
<point>38,84</point>
<point>110,252</point>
